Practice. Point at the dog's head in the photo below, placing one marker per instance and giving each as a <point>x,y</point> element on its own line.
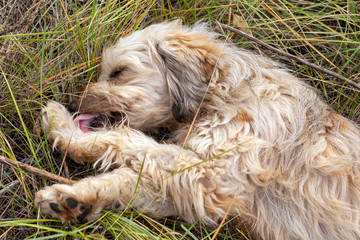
<point>154,77</point>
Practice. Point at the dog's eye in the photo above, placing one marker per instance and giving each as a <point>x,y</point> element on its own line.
<point>117,72</point>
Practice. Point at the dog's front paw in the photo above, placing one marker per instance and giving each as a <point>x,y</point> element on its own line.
<point>56,116</point>
<point>62,202</point>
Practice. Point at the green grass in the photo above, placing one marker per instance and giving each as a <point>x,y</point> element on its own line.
<point>48,49</point>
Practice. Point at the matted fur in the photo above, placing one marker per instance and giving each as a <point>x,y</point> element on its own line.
<point>285,163</point>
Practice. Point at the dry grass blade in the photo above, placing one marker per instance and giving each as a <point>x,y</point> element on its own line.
<point>289,56</point>
<point>293,31</point>
<point>223,220</point>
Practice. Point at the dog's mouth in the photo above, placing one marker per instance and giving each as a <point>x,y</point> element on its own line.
<point>84,121</point>
<point>90,122</point>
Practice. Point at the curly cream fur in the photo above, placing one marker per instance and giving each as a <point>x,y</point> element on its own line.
<point>263,144</point>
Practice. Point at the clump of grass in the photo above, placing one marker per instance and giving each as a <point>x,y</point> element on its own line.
<point>48,49</point>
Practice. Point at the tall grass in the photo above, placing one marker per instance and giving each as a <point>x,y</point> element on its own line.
<point>50,48</point>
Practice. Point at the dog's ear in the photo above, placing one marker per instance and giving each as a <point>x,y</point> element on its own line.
<point>189,61</point>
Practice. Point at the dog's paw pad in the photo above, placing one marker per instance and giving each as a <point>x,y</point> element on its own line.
<point>72,203</point>
<point>55,207</point>
<point>117,205</point>
<point>86,210</point>
<point>70,210</point>
<point>58,204</point>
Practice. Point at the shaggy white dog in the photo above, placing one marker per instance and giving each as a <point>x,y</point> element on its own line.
<point>263,145</point>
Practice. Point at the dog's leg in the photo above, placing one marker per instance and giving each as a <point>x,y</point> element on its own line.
<point>86,199</point>
<point>155,178</point>
<point>165,187</point>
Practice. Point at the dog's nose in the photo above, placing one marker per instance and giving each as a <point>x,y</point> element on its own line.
<point>72,107</point>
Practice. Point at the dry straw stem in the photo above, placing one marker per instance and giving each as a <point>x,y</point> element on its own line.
<point>289,56</point>
<point>36,171</point>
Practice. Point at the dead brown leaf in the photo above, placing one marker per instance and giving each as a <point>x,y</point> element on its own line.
<point>240,23</point>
